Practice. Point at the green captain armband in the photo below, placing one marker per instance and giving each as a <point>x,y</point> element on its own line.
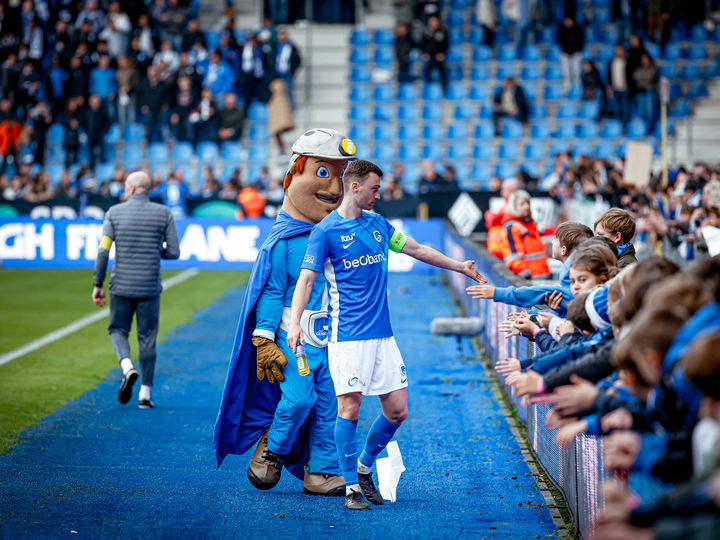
<point>397,241</point>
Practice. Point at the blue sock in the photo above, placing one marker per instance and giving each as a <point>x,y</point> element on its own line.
<point>380,434</point>
<point>346,442</point>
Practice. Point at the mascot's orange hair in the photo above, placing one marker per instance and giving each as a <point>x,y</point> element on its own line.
<point>295,168</point>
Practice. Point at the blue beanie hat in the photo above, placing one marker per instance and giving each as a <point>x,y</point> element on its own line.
<point>596,306</point>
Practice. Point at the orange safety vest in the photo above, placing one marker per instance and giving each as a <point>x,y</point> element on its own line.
<point>251,203</point>
<point>521,247</point>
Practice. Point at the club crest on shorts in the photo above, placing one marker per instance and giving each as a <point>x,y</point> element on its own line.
<point>403,375</point>
<point>352,381</point>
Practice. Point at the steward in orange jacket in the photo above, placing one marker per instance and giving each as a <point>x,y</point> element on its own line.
<point>517,241</point>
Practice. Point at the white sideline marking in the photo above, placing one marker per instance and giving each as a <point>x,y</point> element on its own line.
<point>82,323</point>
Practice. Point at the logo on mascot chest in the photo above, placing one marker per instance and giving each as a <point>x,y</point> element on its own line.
<point>310,259</point>
<point>347,240</point>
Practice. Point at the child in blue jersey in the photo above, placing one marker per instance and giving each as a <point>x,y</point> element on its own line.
<point>350,247</point>
<point>568,236</point>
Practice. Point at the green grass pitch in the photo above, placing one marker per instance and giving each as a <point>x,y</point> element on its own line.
<point>35,302</point>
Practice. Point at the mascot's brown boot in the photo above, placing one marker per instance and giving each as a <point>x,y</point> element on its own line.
<point>330,485</point>
<point>265,466</point>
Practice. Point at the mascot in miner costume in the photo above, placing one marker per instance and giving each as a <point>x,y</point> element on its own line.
<point>265,397</point>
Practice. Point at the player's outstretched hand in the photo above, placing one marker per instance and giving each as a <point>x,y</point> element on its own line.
<point>269,359</point>
<point>468,268</point>
<point>98,296</point>
<point>481,291</point>
<point>294,335</point>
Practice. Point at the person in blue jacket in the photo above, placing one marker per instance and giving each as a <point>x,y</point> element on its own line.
<point>568,236</point>
<point>294,420</point>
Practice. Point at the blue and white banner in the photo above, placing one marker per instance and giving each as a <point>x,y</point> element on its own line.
<point>207,244</point>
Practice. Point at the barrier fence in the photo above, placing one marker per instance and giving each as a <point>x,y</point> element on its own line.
<point>575,470</point>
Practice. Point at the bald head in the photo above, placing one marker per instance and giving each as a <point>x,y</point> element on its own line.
<point>137,182</point>
<point>509,186</point>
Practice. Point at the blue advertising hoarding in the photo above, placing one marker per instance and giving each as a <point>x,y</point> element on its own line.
<point>207,244</point>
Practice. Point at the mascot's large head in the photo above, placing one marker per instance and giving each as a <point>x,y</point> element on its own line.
<point>313,183</point>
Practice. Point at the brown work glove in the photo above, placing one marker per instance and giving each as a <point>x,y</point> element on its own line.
<point>269,356</point>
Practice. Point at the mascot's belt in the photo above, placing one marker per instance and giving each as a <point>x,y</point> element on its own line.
<point>314,326</point>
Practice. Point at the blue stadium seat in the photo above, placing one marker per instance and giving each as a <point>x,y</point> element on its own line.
<point>432,111</point>
<point>408,151</point>
<point>552,54</point>
<point>113,135</point>
<point>696,52</point>
<point>460,4</point>
<point>508,151</point>
<point>504,71</point>
<point>359,113</point>
<point>676,91</point>
<point>407,92</point>
<point>576,92</point>
<point>588,130</point>
<point>484,130</point>
<point>134,132</point>
<point>240,35</point>
<point>537,112</point>
<point>212,38</point>
<point>360,74</point>
<point>407,111</point>
<point>482,150</point>
<point>691,70</point>
<point>482,53</point>
<point>383,93</point>
<point>482,173</point>
<point>231,151</point>
<point>464,112</point>
<point>669,70</point>
<point>158,151</point>
<point>383,152</point>
<point>360,132</point>
<point>454,55</point>
<point>456,36</point>
<point>553,73</point>
<point>621,149</point>
<point>601,15</point>
<point>182,151</point>
<point>104,171</point>
<point>530,92</point>
<point>590,110</point>
<point>511,129</point>
<point>534,151</point>
<point>604,55</point>
<point>359,55</point>
<point>432,151</point>
<point>581,148</point>
<point>680,109</point>
<point>698,34</point>
<point>258,133</point>
<point>533,168</point>
<point>540,129</point>
<point>408,132</point>
<point>553,92</point>
<point>565,129</point>
<point>456,92</point>
<point>455,18</point>
<point>636,128</point>
<point>486,111</point>
<point>568,109</point>
<point>697,90</point>
<point>383,112</point>
<point>56,133</point>
<point>476,36</point>
<point>547,35</point>
<point>383,132</point>
<point>383,55</point>
<point>530,73</point>
<point>384,36</point>
<point>530,53</point>
<point>455,73</point>
<point>612,129</point>
<point>257,112</point>
<point>611,35</point>
<point>712,69</point>
<point>55,171</point>
<point>132,155</point>
<point>673,51</point>
<point>359,93</point>
<point>457,132</point>
<point>258,154</point>
<point>507,53</point>
<point>505,170</point>
<point>605,150</point>
<point>359,37</point>
<point>208,151</point>
<point>479,92</point>
<point>479,73</point>
<point>592,35</point>
<point>432,132</point>
<point>457,151</point>
<point>56,154</point>
<point>432,92</point>
<point>559,146</point>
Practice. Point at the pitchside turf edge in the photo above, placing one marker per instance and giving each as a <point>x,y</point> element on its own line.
<point>38,302</point>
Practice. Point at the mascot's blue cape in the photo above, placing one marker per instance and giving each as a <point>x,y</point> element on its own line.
<point>248,404</point>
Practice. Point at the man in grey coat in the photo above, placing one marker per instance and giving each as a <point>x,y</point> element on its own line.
<point>143,232</point>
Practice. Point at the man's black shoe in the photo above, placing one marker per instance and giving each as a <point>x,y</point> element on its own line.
<point>146,404</point>
<point>371,492</point>
<point>126,386</point>
<point>355,501</point>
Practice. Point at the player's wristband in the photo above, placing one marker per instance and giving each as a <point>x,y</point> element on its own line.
<point>97,284</point>
<point>541,387</point>
<point>537,331</point>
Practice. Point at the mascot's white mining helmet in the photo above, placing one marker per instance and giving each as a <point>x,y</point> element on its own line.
<point>320,143</point>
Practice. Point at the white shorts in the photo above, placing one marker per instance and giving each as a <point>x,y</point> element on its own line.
<point>371,366</point>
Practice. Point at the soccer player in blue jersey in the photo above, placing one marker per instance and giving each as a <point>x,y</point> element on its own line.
<point>350,246</point>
